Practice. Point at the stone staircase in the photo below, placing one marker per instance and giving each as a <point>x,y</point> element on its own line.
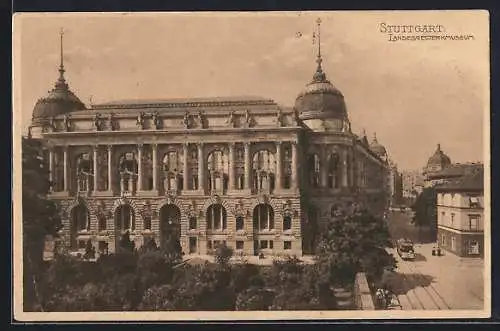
<point>344,298</point>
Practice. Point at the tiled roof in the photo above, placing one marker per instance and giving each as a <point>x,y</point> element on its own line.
<point>472,180</point>
<point>455,170</point>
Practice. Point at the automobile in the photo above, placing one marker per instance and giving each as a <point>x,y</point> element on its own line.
<point>405,249</point>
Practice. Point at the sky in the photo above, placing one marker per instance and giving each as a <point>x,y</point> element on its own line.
<point>413,94</point>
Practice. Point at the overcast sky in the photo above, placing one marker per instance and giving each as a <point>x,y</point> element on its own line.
<point>413,94</point>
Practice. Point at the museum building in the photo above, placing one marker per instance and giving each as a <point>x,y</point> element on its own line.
<point>244,171</point>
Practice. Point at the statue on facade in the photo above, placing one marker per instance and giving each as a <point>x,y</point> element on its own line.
<point>248,119</point>
<point>84,171</point>
<point>201,120</point>
<point>231,119</point>
<point>67,123</point>
<point>156,120</point>
<point>52,123</point>
<point>111,122</point>
<point>140,120</point>
<point>185,121</point>
<point>279,118</point>
<point>296,116</point>
<point>97,122</point>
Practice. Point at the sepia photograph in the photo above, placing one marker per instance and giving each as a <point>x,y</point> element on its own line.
<point>251,166</point>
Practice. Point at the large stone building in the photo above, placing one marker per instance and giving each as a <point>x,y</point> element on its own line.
<point>244,171</point>
<point>435,165</point>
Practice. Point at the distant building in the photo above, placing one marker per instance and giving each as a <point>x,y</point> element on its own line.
<point>412,185</point>
<point>460,203</point>
<point>395,188</point>
<point>436,163</point>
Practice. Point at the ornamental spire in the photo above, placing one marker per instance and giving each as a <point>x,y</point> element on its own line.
<point>319,75</point>
<point>61,81</point>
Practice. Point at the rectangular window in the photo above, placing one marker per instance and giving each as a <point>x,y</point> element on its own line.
<point>473,223</point>
<point>239,223</point>
<point>209,244</point>
<point>271,244</point>
<point>452,218</point>
<point>263,244</point>
<point>81,244</point>
<point>287,223</point>
<point>239,244</point>
<point>287,245</point>
<point>192,245</point>
<point>474,202</point>
<point>192,223</point>
<point>473,247</point>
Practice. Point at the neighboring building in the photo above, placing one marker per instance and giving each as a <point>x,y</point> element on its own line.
<point>460,206</point>
<point>245,171</point>
<point>413,183</point>
<point>395,185</point>
<point>436,163</point>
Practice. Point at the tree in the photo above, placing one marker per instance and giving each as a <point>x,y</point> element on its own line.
<point>223,253</point>
<point>40,218</point>
<point>354,241</point>
<point>425,208</point>
<point>126,244</point>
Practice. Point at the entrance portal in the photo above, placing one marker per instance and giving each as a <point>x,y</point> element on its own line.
<point>170,228</point>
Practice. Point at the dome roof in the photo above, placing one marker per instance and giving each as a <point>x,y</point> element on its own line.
<point>60,100</point>
<point>439,158</point>
<point>320,99</point>
<point>377,148</point>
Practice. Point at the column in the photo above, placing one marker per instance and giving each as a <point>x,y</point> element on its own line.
<point>110,172</point>
<point>201,168</point>
<point>247,166</point>
<point>155,166</point>
<point>139,167</point>
<point>295,179</point>
<point>51,169</point>
<point>66,165</point>
<point>232,166</point>
<point>344,168</point>
<point>279,166</point>
<point>185,177</point>
<point>323,168</point>
<point>96,172</point>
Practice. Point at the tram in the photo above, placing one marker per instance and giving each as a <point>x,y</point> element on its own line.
<point>405,249</point>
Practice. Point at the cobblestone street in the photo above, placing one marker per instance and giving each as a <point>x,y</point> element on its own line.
<point>431,282</point>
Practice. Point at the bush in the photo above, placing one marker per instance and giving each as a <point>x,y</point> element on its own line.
<point>223,254</point>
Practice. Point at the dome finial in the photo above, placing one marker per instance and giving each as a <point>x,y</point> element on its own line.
<point>374,136</point>
<point>61,81</point>
<point>319,75</point>
<point>439,147</point>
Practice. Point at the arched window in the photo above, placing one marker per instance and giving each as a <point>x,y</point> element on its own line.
<point>128,163</point>
<point>240,223</point>
<point>287,166</point>
<point>80,218</point>
<point>263,217</point>
<point>287,223</point>
<point>217,170</point>
<point>313,166</point>
<point>101,222</point>
<point>125,218</point>
<point>263,166</point>
<point>333,171</point>
<point>216,217</point>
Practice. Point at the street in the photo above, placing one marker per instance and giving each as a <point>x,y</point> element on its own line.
<point>434,282</point>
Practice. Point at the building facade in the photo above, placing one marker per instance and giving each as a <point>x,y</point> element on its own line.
<point>460,205</point>
<point>245,171</point>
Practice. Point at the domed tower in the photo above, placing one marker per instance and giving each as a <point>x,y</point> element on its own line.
<point>60,100</point>
<point>320,105</point>
<point>438,161</point>
<point>378,148</point>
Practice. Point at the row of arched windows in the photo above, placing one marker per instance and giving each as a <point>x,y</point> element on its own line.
<point>216,218</point>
